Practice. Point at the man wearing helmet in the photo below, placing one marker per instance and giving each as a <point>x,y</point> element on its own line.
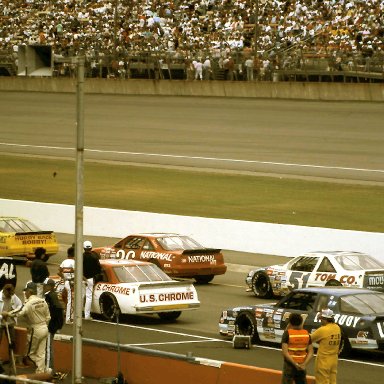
<point>328,336</point>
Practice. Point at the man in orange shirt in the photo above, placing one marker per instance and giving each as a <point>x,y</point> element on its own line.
<point>297,351</point>
<point>328,336</point>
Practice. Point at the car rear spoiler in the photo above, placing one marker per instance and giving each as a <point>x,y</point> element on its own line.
<point>202,251</point>
<point>172,283</point>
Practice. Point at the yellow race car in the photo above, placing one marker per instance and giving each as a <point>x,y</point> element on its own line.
<point>19,238</point>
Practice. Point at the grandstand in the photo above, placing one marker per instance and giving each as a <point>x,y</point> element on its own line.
<point>295,40</point>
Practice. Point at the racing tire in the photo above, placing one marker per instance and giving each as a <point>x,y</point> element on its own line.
<point>205,279</point>
<point>245,325</point>
<point>333,283</point>
<point>169,316</point>
<point>109,307</point>
<point>261,286</point>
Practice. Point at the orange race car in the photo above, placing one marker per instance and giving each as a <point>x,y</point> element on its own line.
<point>177,255</point>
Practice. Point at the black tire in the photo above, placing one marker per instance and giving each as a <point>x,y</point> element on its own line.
<point>246,325</point>
<point>205,279</point>
<point>109,307</point>
<point>333,283</point>
<point>261,286</point>
<point>169,316</point>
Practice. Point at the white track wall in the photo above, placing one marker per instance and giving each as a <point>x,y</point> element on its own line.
<point>245,236</point>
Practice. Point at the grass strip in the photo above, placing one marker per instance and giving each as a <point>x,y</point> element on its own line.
<point>192,193</point>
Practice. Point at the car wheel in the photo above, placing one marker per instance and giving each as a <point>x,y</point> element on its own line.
<point>169,316</point>
<point>262,286</point>
<point>246,325</point>
<point>109,307</point>
<point>333,283</point>
<point>204,279</point>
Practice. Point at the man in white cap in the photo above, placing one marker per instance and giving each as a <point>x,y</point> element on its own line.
<point>91,269</point>
<point>328,336</point>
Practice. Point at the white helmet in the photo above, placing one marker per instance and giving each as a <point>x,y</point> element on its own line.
<point>327,314</point>
<point>87,244</point>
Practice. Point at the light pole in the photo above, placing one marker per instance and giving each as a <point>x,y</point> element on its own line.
<point>78,299</point>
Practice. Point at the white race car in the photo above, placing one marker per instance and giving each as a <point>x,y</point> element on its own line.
<point>137,287</point>
<point>317,269</point>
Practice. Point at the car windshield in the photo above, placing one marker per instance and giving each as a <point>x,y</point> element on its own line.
<point>178,243</point>
<point>17,225</point>
<point>363,304</point>
<point>140,273</point>
<point>358,261</point>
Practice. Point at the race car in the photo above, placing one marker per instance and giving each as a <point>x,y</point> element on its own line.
<point>137,287</point>
<point>317,269</point>
<point>177,255</point>
<point>19,238</point>
<point>358,311</point>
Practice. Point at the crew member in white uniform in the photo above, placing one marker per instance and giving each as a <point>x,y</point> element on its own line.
<point>67,273</point>
<point>36,312</point>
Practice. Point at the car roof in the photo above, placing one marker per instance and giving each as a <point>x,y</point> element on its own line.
<point>156,234</point>
<point>337,291</point>
<point>332,253</point>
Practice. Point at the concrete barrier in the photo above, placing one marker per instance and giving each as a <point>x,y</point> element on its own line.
<point>266,238</point>
<point>141,365</point>
<point>265,90</point>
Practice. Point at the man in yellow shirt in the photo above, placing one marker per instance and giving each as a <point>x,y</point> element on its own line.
<point>328,336</point>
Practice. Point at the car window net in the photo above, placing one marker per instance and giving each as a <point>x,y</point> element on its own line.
<point>15,225</point>
<point>363,304</point>
<point>140,273</point>
<point>359,261</point>
<point>176,243</point>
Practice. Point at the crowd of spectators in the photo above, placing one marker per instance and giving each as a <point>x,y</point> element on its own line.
<point>191,31</point>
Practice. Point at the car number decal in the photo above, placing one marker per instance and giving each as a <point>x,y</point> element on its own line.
<point>295,278</point>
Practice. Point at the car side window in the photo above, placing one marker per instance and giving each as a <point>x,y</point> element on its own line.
<point>301,301</point>
<point>305,264</point>
<point>148,246</point>
<point>326,266</point>
<point>134,243</point>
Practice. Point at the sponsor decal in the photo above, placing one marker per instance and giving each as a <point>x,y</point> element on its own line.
<point>156,255</point>
<point>7,271</point>
<point>375,280</point>
<point>380,329</point>
<point>269,333</point>
<point>202,259</point>
<point>172,296</point>
<point>347,320</point>
<point>113,288</point>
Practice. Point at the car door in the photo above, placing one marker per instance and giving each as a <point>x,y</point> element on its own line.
<point>302,273</point>
<point>276,321</point>
<point>133,247</point>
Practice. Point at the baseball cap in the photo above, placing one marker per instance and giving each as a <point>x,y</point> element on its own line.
<point>87,244</point>
<point>31,286</point>
<point>327,314</point>
<point>49,282</point>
